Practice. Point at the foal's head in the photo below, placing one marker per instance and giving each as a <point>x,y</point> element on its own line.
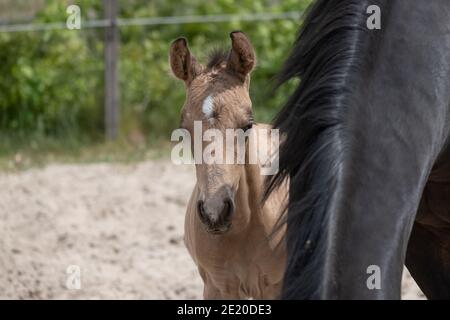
<point>217,96</point>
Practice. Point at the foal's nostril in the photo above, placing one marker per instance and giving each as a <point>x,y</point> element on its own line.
<point>216,213</point>
<point>201,211</point>
<point>228,208</point>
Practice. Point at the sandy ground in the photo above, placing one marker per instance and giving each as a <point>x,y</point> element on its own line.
<point>121,226</point>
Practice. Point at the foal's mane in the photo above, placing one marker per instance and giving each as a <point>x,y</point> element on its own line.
<point>216,57</point>
<point>325,53</point>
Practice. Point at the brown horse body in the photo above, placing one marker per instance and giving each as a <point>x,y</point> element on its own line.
<point>247,261</point>
<point>228,229</point>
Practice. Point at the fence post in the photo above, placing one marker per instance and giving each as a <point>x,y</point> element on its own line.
<point>111,111</point>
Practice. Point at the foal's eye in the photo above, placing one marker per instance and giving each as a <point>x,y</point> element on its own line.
<point>247,127</point>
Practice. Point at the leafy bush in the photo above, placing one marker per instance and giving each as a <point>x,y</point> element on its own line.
<point>51,82</point>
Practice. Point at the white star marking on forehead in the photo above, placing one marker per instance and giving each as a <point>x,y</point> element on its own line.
<point>208,107</point>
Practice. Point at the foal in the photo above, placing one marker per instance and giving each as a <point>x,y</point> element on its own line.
<point>228,231</point>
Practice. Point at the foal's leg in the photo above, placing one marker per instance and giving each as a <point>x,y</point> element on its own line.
<point>212,291</point>
<point>271,292</point>
<point>225,288</point>
<point>428,261</point>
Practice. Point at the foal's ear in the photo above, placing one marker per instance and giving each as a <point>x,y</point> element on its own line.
<point>183,64</point>
<point>242,56</point>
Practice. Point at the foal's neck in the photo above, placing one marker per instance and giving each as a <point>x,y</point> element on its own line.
<point>249,193</point>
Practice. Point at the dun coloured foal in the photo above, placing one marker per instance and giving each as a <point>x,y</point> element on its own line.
<point>228,231</point>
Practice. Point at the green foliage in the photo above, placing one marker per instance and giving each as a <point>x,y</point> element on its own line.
<point>51,82</point>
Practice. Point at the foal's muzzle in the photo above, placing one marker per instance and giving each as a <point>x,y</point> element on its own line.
<point>215,213</point>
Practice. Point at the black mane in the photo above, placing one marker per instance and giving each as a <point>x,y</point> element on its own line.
<point>324,56</point>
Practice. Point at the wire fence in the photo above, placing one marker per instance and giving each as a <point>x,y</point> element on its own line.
<point>107,30</point>
<point>155,21</point>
